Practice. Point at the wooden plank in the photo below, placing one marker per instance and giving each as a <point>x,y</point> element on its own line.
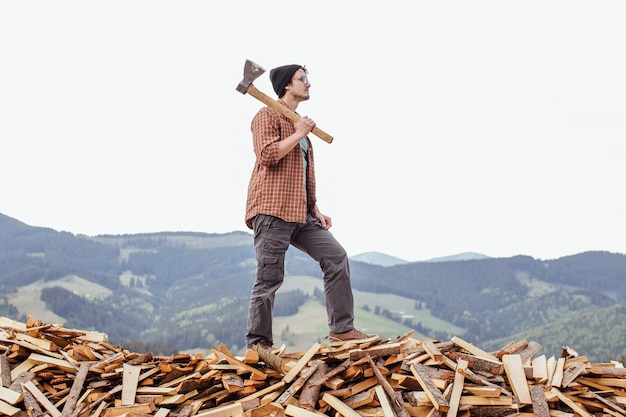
<point>12,324</point>
<point>59,363</point>
<point>421,374</point>
<point>540,369</point>
<point>384,401</point>
<point>490,392</point>
<point>290,376</point>
<point>611,382</point>
<point>41,343</point>
<point>557,377</point>
<point>296,411</point>
<point>98,411</point>
<point>85,351</point>
<point>473,349</point>
<point>571,404</point>
<point>22,367</point>
<point>511,348</point>
<point>363,385</point>
<point>527,353</point>
<point>550,365</point>
<point>608,404</point>
<point>42,399</point>
<point>9,396</point>
<point>148,389</point>
<point>486,401</point>
<point>361,399</point>
<point>432,351</point>
<point>299,383</point>
<point>232,382</point>
<point>612,413</point>
<point>34,348</point>
<point>339,406</point>
<point>8,409</point>
<point>178,398</point>
<point>517,378</point>
<point>130,379</point>
<point>91,336</point>
<point>264,391</point>
<point>457,388</point>
<point>130,409</point>
<point>478,379</point>
<point>162,412</point>
<point>571,373</point>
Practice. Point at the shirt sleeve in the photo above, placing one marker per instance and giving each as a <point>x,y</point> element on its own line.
<point>266,135</point>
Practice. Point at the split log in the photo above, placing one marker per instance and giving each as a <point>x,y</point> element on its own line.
<point>76,390</point>
<point>311,389</point>
<point>396,403</point>
<point>436,397</point>
<point>5,372</point>
<point>539,403</point>
<point>478,364</point>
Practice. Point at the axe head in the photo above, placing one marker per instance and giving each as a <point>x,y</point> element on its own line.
<point>251,72</point>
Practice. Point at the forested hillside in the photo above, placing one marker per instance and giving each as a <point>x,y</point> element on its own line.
<point>169,291</point>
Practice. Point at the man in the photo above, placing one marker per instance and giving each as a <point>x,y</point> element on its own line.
<point>282,210</point>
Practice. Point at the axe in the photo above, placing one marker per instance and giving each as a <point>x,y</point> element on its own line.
<point>251,72</point>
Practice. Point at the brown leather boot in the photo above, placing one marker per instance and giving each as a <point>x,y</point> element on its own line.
<point>351,336</point>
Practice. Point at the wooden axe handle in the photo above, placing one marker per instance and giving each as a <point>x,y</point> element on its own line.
<point>285,111</point>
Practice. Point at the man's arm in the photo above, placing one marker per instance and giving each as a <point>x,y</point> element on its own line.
<point>324,219</point>
<point>269,147</point>
<point>303,128</point>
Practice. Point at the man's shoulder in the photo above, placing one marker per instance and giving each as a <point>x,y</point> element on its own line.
<point>268,111</point>
<point>267,115</point>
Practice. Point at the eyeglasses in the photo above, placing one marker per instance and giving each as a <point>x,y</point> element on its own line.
<point>304,79</point>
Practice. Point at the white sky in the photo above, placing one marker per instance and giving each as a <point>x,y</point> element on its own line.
<point>488,126</point>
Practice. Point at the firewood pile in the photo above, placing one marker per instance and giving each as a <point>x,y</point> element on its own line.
<point>48,370</point>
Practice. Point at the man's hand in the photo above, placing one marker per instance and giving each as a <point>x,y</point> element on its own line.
<point>324,219</point>
<point>304,126</point>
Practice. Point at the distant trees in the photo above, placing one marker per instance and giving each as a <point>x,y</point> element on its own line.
<point>319,296</point>
<point>6,308</point>
<point>118,320</point>
<point>287,303</point>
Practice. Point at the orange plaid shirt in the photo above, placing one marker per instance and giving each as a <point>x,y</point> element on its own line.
<point>277,187</point>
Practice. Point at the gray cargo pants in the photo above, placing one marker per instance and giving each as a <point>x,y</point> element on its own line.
<point>272,237</point>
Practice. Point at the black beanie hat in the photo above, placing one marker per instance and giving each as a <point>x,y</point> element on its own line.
<point>281,76</point>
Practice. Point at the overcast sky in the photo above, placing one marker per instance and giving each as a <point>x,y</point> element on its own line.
<point>495,127</point>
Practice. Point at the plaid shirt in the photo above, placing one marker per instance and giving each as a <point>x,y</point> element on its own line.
<point>277,187</point>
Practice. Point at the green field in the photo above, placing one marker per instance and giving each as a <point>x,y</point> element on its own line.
<point>27,299</point>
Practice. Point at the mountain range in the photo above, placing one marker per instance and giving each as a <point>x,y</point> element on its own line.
<point>383,259</point>
<point>182,291</point>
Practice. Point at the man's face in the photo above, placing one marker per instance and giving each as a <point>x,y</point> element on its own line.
<point>299,86</point>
